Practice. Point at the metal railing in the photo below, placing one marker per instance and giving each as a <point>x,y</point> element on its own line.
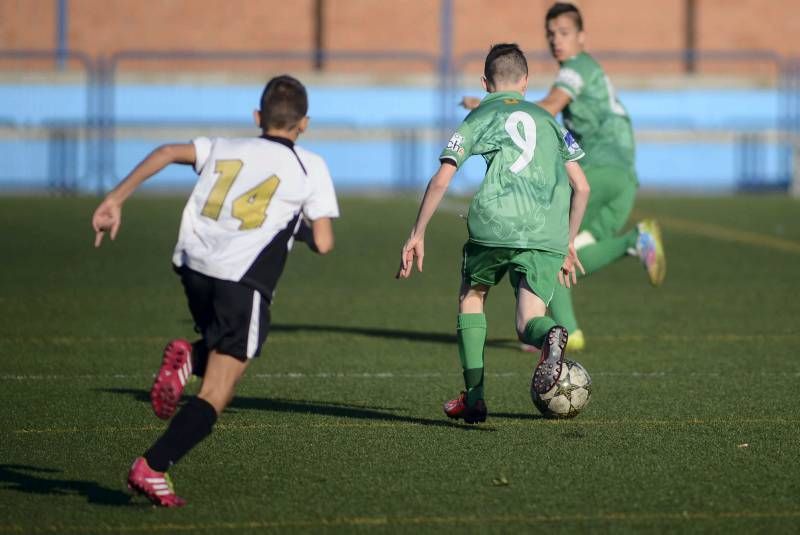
<point>81,152</point>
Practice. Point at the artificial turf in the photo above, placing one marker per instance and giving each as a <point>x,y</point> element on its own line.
<point>693,424</point>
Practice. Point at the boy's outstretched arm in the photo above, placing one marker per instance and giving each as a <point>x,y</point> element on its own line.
<point>555,101</point>
<point>108,216</point>
<point>580,197</point>
<point>415,245</point>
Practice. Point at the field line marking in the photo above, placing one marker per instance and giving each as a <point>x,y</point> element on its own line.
<point>378,375</point>
<point>710,337</point>
<point>718,232</point>
<point>11,377</point>
<point>407,421</point>
<point>616,516</point>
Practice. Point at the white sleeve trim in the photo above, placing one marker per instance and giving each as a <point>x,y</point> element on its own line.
<point>202,150</point>
<point>577,158</point>
<point>570,80</point>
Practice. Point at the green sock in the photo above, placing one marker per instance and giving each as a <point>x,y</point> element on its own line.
<point>561,308</point>
<point>598,255</point>
<point>536,330</point>
<point>471,339</point>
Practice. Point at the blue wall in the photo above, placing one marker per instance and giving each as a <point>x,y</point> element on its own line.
<point>376,163</point>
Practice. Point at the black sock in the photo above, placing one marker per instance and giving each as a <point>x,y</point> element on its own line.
<point>199,357</point>
<point>191,425</point>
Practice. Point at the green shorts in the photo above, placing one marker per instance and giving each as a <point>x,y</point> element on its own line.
<point>611,200</point>
<point>483,265</point>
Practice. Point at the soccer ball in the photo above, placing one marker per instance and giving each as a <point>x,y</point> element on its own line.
<point>570,394</point>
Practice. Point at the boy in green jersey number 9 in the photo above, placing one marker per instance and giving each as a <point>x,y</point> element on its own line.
<point>522,221</point>
<point>583,94</point>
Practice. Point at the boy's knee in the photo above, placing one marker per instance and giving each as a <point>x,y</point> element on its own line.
<point>219,396</point>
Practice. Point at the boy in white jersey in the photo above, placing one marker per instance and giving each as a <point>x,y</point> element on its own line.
<point>249,204</point>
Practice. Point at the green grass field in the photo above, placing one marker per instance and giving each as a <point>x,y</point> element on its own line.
<point>693,425</point>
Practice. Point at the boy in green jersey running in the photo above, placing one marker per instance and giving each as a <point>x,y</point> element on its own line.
<point>522,221</point>
<point>583,94</point>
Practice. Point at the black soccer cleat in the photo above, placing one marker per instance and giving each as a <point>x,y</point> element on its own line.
<point>548,370</point>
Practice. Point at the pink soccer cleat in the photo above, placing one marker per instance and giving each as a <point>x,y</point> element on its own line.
<point>156,486</point>
<point>458,408</point>
<point>176,369</point>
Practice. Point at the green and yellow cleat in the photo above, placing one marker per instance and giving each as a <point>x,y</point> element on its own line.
<point>650,250</point>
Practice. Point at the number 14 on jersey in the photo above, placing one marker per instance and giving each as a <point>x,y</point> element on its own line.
<point>250,207</point>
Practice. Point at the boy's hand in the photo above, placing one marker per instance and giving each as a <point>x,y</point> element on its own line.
<point>568,274</point>
<point>107,217</point>
<point>470,103</point>
<point>415,246</point>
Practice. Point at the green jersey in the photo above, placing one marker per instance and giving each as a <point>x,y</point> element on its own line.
<point>595,116</point>
<point>523,201</point>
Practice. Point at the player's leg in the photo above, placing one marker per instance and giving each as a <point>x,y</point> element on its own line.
<point>534,279</point>
<point>180,359</point>
<point>613,194</point>
<point>222,376</point>
<point>471,336</point>
<point>482,267</point>
<point>193,423</point>
<point>471,325</point>
<point>561,306</point>
<point>644,241</point>
<point>236,333</point>
<point>196,419</point>
<point>598,243</point>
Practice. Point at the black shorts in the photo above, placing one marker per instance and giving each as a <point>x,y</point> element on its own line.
<point>232,318</point>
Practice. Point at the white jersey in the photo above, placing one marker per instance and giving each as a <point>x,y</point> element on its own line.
<point>239,221</point>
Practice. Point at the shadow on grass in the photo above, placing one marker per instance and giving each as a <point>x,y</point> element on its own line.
<point>390,334</point>
<point>23,478</point>
<point>517,415</point>
<point>321,408</point>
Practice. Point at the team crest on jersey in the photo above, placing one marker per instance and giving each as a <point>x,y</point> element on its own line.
<point>456,143</point>
<point>569,141</point>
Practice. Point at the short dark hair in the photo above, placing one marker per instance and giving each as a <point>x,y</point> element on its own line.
<point>564,8</point>
<point>284,103</point>
<point>505,63</point>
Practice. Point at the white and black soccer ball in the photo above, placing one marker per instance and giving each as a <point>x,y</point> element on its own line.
<point>570,394</point>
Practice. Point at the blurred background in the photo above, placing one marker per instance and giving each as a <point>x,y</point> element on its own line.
<point>88,87</point>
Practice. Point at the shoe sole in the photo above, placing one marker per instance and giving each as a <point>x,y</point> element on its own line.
<point>467,419</point>
<point>139,491</point>
<point>548,370</point>
<point>164,396</point>
<point>478,420</point>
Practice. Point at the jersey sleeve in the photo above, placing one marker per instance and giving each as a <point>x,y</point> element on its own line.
<point>570,79</point>
<point>322,201</point>
<point>459,148</point>
<point>569,148</point>
<point>202,150</point>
